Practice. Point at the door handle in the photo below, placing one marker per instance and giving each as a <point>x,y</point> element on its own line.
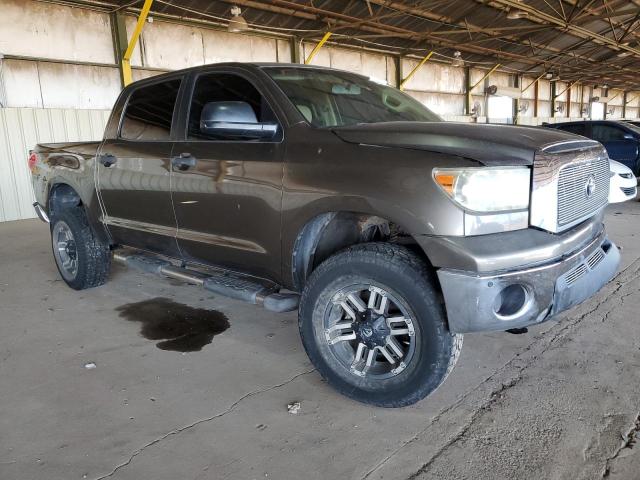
<point>184,161</point>
<point>107,159</point>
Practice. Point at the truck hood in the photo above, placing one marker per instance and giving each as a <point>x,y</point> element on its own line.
<point>491,145</point>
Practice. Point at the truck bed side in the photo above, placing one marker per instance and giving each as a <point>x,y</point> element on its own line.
<point>64,163</point>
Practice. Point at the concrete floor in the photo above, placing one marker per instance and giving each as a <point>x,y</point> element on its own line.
<point>559,402</point>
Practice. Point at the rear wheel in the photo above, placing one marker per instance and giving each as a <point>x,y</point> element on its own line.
<point>82,260</point>
<point>374,326</point>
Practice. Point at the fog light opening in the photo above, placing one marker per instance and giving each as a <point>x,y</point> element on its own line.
<point>511,301</point>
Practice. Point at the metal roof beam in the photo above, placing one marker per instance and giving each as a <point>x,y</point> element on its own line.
<point>566,26</point>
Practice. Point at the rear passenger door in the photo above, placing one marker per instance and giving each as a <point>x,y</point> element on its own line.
<point>227,189</point>
<point>575,128</point>
<point>133,169</point>
<point>620,145</point>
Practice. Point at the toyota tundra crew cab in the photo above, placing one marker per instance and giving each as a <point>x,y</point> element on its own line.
<point>391,231</point>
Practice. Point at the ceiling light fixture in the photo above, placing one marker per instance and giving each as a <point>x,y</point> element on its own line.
<point>516,14</point>
<point>237,22</point>
<point>457,60</point>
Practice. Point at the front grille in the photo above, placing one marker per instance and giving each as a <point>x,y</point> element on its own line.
<point>561,173</point>
<point>582,189</point>
<point>629,190</point>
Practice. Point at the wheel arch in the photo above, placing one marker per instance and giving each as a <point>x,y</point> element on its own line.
<point>62,195</point>
<point>332,231</point>
<point>65,194</point>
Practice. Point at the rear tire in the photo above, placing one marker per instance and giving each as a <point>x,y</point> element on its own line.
<point>389,353</point>
<point>82,260</point>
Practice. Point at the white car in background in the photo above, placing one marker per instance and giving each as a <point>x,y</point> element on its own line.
<point>623,185</point>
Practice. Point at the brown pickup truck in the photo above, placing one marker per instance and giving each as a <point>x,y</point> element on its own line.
<point>294,187</point>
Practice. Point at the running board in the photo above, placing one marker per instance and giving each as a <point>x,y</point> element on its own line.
<point>223,283</point>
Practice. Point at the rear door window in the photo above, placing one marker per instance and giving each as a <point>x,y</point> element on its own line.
<point>578,129</point>
<point>149,112</point>
<point>606,133</point>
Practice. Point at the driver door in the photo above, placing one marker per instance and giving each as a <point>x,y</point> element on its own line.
<point>227,190</point>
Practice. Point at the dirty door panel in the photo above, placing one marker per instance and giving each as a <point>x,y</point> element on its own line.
<point>227,197</point>
<point>134,171</point>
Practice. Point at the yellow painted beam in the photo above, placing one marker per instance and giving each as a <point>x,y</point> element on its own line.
<point>126,59</point>
<point>317,48</point>
<point>615,96</point>
<point>568,87</point>
<point>415,69</point>
<point>486,75</point>
<point>533,83</point>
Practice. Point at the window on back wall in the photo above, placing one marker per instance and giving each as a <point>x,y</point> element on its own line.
<point>500,109</point>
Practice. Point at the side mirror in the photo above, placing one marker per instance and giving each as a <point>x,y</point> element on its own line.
<point>234,119</point>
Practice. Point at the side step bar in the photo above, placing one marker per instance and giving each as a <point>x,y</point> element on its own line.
<point>222,283</point>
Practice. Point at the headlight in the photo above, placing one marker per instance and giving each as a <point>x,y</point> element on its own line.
<point>486,189</point>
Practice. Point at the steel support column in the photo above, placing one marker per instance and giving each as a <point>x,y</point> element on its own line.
<point>517,83</point>
<point>467,89</point>
<point>295,49</point>
<point>484,77</point>
<point>397,60</point>
<point>119,35</point>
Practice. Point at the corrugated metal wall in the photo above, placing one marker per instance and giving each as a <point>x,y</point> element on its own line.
<point>20,130</point>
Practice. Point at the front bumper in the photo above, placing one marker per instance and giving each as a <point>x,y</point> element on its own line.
<point>479,302</point>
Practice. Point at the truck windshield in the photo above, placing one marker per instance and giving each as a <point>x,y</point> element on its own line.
<point>328,98</point>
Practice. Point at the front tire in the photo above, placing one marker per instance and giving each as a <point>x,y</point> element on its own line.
<point>82,260</point>
<point>373,324</point>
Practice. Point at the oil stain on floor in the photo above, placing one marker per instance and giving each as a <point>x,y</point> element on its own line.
<point>180,327</point>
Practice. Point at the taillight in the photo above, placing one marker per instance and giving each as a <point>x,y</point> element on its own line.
<point>33,159</point>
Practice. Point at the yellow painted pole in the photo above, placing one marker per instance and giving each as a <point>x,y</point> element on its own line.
<point>415,69</point>
<point>568,87</point>
<point>533,83</point>
<point>317,48</point>
<point>517,120</point>
<point>126,59</point>
<point>615,96</point>
<point>484,77</point>
<point>480,81</point>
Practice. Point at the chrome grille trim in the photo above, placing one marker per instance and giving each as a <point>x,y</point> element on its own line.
<point>573,201</point>
<point>558,196</point>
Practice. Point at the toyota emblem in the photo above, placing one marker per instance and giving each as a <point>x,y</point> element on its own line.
<point>590,186</point>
